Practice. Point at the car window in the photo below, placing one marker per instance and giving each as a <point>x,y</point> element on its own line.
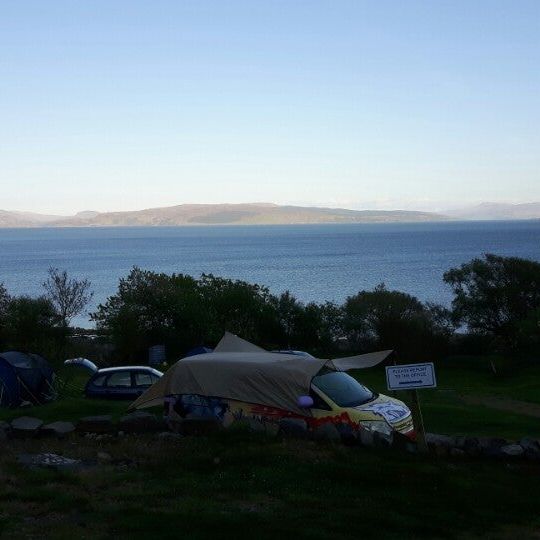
<point>143,379</point>
<point>120,378</point>
<point>98,381</point>
<point>343,389</point>
<point>155,378</point>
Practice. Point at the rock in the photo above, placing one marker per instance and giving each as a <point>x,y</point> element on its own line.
<point>531,447</point>
<point>512,450</point>
<point>491,446</point>
<point>434,440</point>
<point>140,422</point>
<point>439,445</point>
<point>26,426</point>
<point>104,457</point>
<point>293,427</point>
<point>326,432</point>
<point>48,460</point>
<point>169,436</point>
<point>96,424</point>
<point>58,429</point>
<point>457,452</point>
<point>365,436</point>
<point>470,445</point>
<point>199,426</point>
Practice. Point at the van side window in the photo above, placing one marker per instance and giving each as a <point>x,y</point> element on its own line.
<point>318,401</point>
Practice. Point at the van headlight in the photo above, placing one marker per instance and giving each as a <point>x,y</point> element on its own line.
<point>378,425</point>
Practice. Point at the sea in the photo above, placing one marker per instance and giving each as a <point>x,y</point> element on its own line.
<point>314,262</point>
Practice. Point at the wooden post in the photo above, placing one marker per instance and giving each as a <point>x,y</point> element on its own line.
<point>418,422</point>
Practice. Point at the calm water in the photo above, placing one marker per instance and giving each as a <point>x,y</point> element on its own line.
<point>315,262</point>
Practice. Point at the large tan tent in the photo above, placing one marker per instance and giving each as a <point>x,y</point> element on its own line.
<point>242,371</point>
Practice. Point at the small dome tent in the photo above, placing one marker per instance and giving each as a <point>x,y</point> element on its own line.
<point>24,377</point>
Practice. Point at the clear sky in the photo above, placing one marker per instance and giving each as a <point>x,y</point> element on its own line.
<point>117,105</point>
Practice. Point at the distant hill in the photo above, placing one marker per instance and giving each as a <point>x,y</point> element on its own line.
<point>497,211</point>
<point>221,214</point>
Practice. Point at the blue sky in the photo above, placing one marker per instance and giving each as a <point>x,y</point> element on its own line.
<point>122,105</point>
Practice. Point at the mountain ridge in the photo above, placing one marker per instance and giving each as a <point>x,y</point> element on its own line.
<point>217,214</point>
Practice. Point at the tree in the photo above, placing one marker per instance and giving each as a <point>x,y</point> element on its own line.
<point>395,320</point>
<point>149,309</point>
<point>246,309</point>
<point>4,302</point>
<point>69,295</point>
<point>497,296</point>
<point>33,325</point>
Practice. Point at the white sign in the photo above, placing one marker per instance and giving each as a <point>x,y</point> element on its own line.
<point>410,376</point>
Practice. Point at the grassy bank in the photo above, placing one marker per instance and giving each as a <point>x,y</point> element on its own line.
<point>236,485</point>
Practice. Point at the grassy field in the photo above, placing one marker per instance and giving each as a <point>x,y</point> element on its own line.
<point>240,485</point>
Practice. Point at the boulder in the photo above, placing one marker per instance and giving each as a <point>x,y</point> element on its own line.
<point>96,424</point>
<point>140,422</point>
<point>58,429</point>
<point>457,452</point>
<point>434,440</point>
<point>51,461</point>
<point>512,450</point>
<point>470,445</point>
<point>491,446</point>
<point>326,432</point>
<point>26,426</point>
<point>293,427</point>
<point>531,447</point>
<point>104,458</point>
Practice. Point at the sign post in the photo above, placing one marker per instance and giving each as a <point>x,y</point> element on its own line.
<point>411,377</point>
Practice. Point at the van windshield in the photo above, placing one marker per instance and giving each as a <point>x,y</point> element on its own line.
<point>343,389</point>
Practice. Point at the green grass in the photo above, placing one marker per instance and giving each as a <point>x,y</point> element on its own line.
<point>445,412</point>
<point>235,485</point>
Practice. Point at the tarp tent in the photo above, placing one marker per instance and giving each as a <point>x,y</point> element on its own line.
<point>24,377</point>
<point>239,370</point>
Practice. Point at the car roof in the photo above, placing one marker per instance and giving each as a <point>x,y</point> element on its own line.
<point>130,368</point>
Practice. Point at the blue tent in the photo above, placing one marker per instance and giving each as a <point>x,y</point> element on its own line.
<point>24,377</point>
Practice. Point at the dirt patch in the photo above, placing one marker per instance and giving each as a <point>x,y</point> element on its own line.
<point>504,404</point>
